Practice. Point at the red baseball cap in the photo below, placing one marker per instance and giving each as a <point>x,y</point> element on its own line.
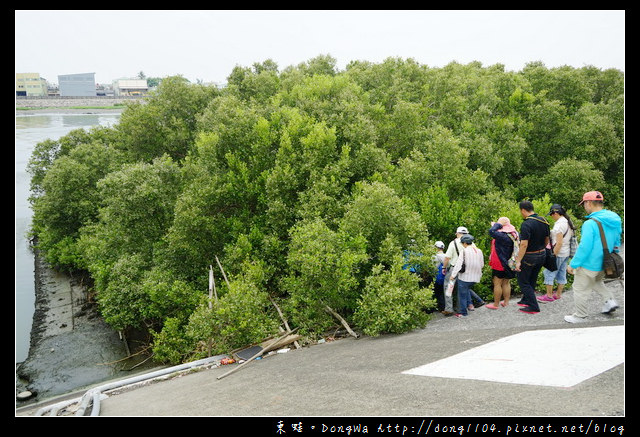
<point>592,195</point>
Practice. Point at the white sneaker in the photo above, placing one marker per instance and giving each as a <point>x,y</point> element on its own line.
<point>574,319</point>
<point>609,306</point>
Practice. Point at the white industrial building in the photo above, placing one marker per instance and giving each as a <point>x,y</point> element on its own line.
<point>77,85</point>
<point>130,87</point>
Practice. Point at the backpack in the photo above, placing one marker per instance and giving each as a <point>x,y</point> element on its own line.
<point>573,244</point>
<point>514,252</point>
<point>612,262</point>
<point>440,275</point>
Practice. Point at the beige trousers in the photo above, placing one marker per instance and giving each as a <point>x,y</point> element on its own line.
<point>584,282</point>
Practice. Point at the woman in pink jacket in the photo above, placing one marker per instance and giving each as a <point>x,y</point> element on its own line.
<point>505,236</point>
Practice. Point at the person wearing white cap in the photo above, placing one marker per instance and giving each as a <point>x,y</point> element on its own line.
<point>450,258</point>
<point>472,260</point>
<point>438,285</point>
<point>586,265</point>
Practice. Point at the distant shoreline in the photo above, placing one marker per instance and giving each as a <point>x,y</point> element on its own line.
<point>74,105</point>
<point>58,110</point>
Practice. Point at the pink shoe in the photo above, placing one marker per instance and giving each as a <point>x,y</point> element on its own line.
<point>502,303</point>
<point>491,306</point>
<point>545,298</point>
<point>556,297</point>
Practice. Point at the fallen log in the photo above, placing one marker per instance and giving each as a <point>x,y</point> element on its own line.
<point>278,342</point>
<point>343,321</point>
<point>290,338</point>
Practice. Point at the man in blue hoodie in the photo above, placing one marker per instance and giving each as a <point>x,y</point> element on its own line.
<point>586,265</point>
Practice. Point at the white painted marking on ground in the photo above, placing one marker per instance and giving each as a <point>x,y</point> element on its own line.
<point>555,357</point>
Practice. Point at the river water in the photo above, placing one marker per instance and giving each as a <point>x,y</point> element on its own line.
<point>31,129</point>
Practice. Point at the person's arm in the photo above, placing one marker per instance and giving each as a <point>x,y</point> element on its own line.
<point>617,242</point>
<point>458,266</point>
<point>558,245</point>
<point>448,255</point>
<point>493,231</point>
<point>523,249</point>
<point>445,263</point>
<point>587,235</point>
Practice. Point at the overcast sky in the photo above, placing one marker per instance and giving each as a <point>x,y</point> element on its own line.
<point>206,45</point>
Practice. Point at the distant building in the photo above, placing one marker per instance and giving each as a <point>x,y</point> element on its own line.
<point>30,84</point>
<point>104,90</point>
<point>130,87</point>
<point>81,85</point>
<point>53,91</point>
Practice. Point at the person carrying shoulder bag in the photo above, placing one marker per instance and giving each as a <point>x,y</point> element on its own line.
<point>587,264</point>
<point>561,235</point>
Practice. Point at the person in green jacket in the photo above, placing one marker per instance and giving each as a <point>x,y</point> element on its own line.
<point>586,265</point>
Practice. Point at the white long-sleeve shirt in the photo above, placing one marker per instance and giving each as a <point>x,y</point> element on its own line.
<point>472,257</point>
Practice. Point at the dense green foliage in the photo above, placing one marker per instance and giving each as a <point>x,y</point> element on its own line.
<point>308,184</point>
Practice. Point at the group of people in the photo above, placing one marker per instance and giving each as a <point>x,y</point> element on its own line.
<point>522,255</point>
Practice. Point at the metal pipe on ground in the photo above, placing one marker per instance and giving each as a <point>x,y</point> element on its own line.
<point>93,395</point>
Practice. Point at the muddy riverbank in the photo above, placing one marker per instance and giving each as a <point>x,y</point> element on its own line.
<point>71,346</point>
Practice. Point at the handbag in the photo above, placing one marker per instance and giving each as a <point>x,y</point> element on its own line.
<point>464,266</point>
<point>612,262</point>
<point>550,262</point>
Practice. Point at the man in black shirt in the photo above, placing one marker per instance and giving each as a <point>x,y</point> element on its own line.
<point>534,237</point>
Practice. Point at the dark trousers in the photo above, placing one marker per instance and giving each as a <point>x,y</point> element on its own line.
<point>528,277</point>
<point>438,291</point>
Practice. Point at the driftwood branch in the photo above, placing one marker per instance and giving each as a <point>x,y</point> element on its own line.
<point>212,286</point>
<point>212,293</point>
<point>141,363</point>
<point>290,338</point>
<point>142,351</point>
<point>286,324</point>
<point>272,345</point>
<point>343,321</point>
<point>222,270</point>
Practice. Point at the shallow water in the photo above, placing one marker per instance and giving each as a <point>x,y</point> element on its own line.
<point>30,130</point>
